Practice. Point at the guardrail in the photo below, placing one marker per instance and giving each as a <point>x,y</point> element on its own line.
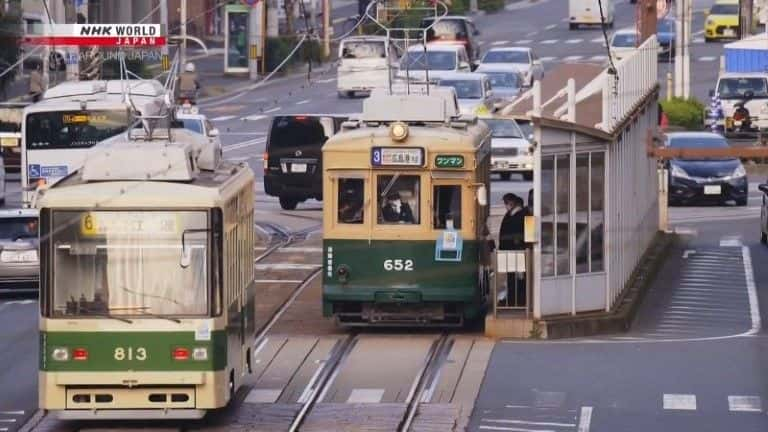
<point>518,265</point>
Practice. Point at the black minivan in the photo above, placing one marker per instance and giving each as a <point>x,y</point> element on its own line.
<point>293,169</point>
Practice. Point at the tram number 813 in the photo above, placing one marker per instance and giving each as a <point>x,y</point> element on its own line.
<point>130,353</point>
<point>398,265</point>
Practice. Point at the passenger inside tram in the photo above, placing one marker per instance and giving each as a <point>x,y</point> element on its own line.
<point>351,201</point>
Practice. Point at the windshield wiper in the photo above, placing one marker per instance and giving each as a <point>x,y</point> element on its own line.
<point>145,311</point>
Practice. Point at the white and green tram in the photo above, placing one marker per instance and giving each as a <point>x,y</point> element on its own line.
<point>146,294</point>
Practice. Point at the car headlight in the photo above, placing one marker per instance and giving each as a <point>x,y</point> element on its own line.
<point>679,172</point>
<point>739,172</point>
<point>710,22</point>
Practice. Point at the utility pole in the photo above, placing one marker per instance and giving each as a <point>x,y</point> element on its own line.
<point>682,48</point>
<point>746,13</point>
<point>183,13</point>
<point>327,29</point>
<point>256,30</point>
<point>687,50</point>
<point>164,23</point>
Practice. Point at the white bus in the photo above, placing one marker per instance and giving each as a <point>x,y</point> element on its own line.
<point>71,118</point>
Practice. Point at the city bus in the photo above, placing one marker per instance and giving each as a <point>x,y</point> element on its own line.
<point>71,118</point>
<point>147,281</point>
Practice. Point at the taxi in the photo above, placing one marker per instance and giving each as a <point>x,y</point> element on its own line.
<point>722,21</point>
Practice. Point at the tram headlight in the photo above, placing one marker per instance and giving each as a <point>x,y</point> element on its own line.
<point>398,131</point>
<point>200,354</point>
<point>60,354</point>
<point>343,273</point>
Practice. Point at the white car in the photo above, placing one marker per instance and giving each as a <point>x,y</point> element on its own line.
<point>522,59</point>
<point>623,43</point>
<point>434,61</point>
<point>196,122</point>
<point>510,149</point>
<point>473,91</point>
<point>364,64</point>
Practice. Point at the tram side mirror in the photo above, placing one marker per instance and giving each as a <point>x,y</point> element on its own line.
<point>482,196</point>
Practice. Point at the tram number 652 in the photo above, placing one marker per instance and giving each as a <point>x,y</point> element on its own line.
<point>130,353</point>
<point>398,265</point>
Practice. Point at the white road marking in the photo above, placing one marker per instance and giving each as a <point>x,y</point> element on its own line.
<point>698,33</point>
<point>730,241</point>
<point>263,396</point>
<point>11,412</point>
<point>303,102</point>
<point>271,110</point>
<point>599,57</point>
<point>523,422</point>
<point>598,40</point>
<point>745,403</point>
<point>365,396</point>
<point>244,144</point>
<point>686,402</point>
<point>573,58</point>
<point>686,231</point>
<point>255,117</point>
<point>574,41</point>
<point>326,81</point>
<point>240,158</point>
<point>223,118</point>
<point>549,41</point>
<point>688,252</point>
<point>707,58</point>
<point>19,302</point>
<point>501,42</point>
<point>7,420</point>
<point>550,27</point>
<point>548,59</point>
<point>699,40</point>
<point>514,429</point>
<point>585,419</point>
<point>754,306</point>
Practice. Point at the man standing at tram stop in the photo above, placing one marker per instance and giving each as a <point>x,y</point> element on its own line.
<point>511,237</point>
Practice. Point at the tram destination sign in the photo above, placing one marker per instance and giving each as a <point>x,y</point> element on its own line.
<point>449,161</point>
<point>397,156</point>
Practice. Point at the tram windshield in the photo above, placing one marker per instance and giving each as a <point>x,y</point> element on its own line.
<point>129,264</point>
<point>399,199</point>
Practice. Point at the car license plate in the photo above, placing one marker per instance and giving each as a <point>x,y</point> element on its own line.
<point>298,168</point>
<point>729,33</point>
<point>712,189</point>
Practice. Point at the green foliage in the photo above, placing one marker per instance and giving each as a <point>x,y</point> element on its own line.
<point>687,113</point>
<point>459,7</point>
<point>278,48</point>
<point>490,5</point>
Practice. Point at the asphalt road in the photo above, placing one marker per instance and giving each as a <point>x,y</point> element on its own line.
<point>679,356</point>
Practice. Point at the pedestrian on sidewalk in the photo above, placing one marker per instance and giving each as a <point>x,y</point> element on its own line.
<point>36,84</point>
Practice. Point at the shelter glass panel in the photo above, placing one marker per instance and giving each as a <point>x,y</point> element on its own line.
<point>350,201</point>
<point>446,205</point>
<point>398,197</point>
<point>562,213</point>
<point>597,211</point>
<point>547,215</point>
<point>582,213</point>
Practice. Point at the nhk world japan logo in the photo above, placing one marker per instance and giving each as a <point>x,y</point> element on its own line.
<point>129,35</point>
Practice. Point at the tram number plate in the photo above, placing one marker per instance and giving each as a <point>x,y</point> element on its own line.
<point>130,353</point>
<point>391,156</point>
<point>398,265</point>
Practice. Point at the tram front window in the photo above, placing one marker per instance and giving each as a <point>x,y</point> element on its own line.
<point>399,199</point>
<point>129,264</point>
<point>447,205</point>
<point>351,201</point>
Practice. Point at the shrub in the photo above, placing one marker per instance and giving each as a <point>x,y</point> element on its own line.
<point>686,113</point>
<point>278,48</point>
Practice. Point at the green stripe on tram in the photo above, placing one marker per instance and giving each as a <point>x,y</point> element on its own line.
<point>135,351</point>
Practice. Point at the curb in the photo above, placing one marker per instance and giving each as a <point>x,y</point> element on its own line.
<point>620,320</point>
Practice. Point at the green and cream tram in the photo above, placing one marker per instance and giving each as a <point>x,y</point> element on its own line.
<point>405,214</point>
<point>146,286</point>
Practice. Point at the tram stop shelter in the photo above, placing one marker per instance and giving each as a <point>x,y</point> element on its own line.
<point>595,202</point>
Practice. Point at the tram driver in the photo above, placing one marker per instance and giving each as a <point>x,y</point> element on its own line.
<point>396,210</point>
<point>351,202</point>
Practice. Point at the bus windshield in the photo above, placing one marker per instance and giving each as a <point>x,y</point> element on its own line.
<point>73,129</point>
<point>129,263</point>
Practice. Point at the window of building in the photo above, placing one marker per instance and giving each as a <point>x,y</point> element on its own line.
<point>446,202</point>
<point>351,200</point>
<point>398,197</point>
<point>590,195</point>
<point>562,212</point>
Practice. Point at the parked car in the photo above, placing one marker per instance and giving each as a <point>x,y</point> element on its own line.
<point>510,149</point>
<point>522,59</point>
<point>722,21</point>
<point>434,62</point>
<point>714,180</point>
<point>454,30</point>
<point>19,261</point>
<point>473,91</point>
<point>293,169</point>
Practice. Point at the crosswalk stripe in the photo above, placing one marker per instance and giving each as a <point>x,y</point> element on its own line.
<point>573,58</point>
<point>574,41</point>
<point>745,404</point>
<point>548,59</point>
<point>707,58</point>
<point>501,42</point>
<point>255,117</point>
<point>686,402</point>
<point>223,118</point>
<point>549,42</point>
<point>598,40</point>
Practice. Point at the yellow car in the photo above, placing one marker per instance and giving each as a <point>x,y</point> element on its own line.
<point>722,21</point>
